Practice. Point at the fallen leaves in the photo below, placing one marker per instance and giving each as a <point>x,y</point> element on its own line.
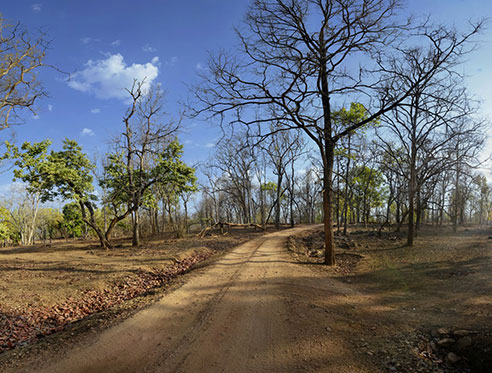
<point>22,326</point>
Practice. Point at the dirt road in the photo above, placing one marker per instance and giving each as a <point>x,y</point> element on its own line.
<point>252,311</point>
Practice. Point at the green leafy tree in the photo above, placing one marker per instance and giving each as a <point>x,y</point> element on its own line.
<point>7,230</point>
<point>28,162</point>
<point>64,174</point>
<point>342,119</point>
<point>49,224</point>
<point>72,222</point>
<point>166,171</point>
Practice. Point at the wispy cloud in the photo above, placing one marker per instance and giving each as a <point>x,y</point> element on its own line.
<point>149,49</point>
<point>95,110</point>
<point>199,66</point>
<point>109,77</point>
<point>50,107</point>
<point>210,145</point>
<point>87,132</point>
<point>115,43</point>
<point>36,7</point>
<point>13,187</point>
<point>173,61</point>
<point>86,40</point>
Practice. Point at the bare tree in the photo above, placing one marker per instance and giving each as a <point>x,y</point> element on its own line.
<point>140,151</point>
<point>298,56</point>
<point>235,161</point>
<point>21,57</point>
<point>427,120</point>
<point>282,149</point>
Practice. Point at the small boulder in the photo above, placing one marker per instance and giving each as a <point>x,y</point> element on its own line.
<point>442,331</point>
<point>461,333</point>
<point>446,342</point>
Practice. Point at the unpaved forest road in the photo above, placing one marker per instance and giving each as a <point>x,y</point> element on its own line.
<point>252,311</point>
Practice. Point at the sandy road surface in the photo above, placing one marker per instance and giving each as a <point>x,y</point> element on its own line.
<point>252,311</point>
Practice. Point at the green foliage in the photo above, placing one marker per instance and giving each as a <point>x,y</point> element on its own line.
<point>368,183</point>
<point>269,186</point>
<point>50,222</point>
<point>6,228</point>
<point>167,172</point>
<point>72,222</point>
<point>356,114</point>
<point>30,160</point>
<point>65,173</point>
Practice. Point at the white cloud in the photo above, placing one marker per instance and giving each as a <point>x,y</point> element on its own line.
<point>95,110</point>
<point>36,7</point>
<point>87,132</point>
<point>116,43</point>
<point>149,49</point>
<point>199,66</point>
<point>36,117</point>
<point>210,145</point>
<point>50,107</point>
<point>188,142</point>
<point>108,78</point>
<point>86,40</point>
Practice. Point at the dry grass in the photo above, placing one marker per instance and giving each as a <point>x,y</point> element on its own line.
<point>46,275</point>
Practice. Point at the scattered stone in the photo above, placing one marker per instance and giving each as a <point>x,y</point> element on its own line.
<point>453,358</point>
<point>442,331</point>
<point>461,333</point>
<point>446,342</point>
<point>328,329</point>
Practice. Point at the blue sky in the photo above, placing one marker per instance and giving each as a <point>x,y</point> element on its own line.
<point>167,41</point>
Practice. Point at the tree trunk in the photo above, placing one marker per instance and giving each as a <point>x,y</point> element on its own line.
<point>327,204</point>
<point>277,206</point>
<point>91,222</point>
<point>187,228</point>
<point>345,202</point>
<point>136,229</point>
<point>456,199</point>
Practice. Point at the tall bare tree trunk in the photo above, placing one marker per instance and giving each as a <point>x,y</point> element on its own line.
<point>411,196</point>
<point>136,229</point>
<point>328,203</point>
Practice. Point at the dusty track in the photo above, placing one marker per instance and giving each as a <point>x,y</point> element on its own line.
<point>252,311</point>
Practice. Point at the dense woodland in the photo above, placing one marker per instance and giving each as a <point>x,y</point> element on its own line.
<point>339,112</point>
